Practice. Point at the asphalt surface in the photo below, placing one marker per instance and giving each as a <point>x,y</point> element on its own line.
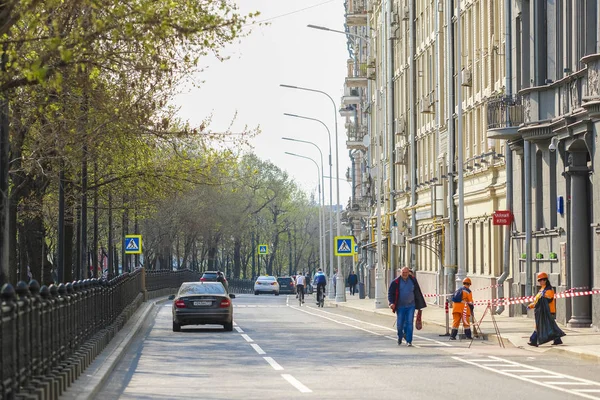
<point>280,350</point>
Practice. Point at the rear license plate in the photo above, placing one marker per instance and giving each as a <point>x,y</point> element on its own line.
<point>203,303</point>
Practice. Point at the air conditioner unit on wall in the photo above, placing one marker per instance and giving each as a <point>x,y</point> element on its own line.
<point>400,155</point>
<point>467,77</point>
<point>399,126</point>
<point>427,105</point>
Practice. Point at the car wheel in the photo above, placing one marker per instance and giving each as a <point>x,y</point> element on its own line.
<point>256,292</point>
<point>176,327</point>
<point>228,326</point>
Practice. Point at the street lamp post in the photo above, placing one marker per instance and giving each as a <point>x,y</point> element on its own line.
<point>322,193</point>
<point>321,218</point>
<point>340,295</point>
<point>330,290</point>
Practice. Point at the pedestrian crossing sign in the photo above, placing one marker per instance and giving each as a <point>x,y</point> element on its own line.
<point>344,245</point>
<point>263,249</point>
<point>133,244</point>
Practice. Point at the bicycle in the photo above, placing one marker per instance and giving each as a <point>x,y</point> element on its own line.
<point>320,296</point>
<point>300,292</point>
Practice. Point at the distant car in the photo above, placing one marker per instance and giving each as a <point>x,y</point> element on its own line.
<point>286,285</point>
<point>200,303</point>
<point>213,276</point>
<point>266,284</point>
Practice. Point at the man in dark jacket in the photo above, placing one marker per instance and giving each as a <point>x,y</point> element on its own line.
<point>404,297</point>
<point>352,282</point>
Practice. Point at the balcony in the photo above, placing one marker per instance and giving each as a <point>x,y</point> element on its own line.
<point>591,99</point>
<point>360,208</point>
<point>357,13</point>
<point>356,135</point>
<point>348,111</point>
<point>351,98</point>
<point>504,115</point>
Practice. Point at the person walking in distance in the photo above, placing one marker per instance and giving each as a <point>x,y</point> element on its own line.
<point>404,297</point>
<point>352,282</point>
<point>547,292</point>
<point>462,309</point>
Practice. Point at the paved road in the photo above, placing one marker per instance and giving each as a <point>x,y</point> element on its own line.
<point>281,351</point>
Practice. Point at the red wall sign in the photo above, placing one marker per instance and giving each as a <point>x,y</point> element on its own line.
<point>502,217</point>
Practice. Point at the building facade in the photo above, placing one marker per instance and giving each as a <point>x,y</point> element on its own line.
<point>456,111</point>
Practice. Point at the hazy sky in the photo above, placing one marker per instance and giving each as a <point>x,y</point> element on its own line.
<point>283,52</point>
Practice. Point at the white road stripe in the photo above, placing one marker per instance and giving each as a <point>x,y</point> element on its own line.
<point>240,330</point>
<point>337,322</point>
<point>257,348</point>
<point>368,323</point>
<point>296,383</point>
<point>522,370</point>
<point>540,382</point>
<point>587,390</point>
<point>273,364</point>
<point>248,339</point>
<point>565,383</point>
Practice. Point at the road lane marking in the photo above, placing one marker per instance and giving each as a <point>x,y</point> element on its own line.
<point>543,378</point>
<point>273,364</point>
<point>337,322</point>
<point>257,348</point>
<point>240,330</point>
<point>371,324</point>
<point>248,339</point>
<point>296,383</point>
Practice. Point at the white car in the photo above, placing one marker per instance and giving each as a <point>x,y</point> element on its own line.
<point>266,284</point>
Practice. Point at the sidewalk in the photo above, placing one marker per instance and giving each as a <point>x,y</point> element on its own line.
<point>582,343</point>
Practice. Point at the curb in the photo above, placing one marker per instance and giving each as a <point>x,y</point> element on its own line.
<point>88,385</point>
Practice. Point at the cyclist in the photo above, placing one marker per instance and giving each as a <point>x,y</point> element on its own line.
<point>320,282</point>
<point>300,283</point>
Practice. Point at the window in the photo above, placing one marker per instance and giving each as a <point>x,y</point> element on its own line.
<point>539,190</point>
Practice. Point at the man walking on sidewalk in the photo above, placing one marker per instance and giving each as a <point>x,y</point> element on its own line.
<point>352,282</point>
<point>404,296</point>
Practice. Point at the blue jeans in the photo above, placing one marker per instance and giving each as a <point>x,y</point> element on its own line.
<point>405,320</point>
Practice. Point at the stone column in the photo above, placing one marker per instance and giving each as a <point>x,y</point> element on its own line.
<point>579,239</point>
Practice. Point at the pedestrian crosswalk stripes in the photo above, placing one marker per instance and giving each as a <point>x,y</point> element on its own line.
<point>549,379</point>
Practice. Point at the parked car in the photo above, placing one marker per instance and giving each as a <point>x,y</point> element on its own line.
<point>266,284</point>
<point>200,303</point>
<point>286,285</point>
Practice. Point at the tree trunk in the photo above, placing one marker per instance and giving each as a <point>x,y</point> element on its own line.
<point>237,257</point>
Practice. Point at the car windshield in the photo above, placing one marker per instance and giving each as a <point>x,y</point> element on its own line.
<point>195,288</point>
<point>210,275</point>
<point>266,278</point>
<point>284,280</point>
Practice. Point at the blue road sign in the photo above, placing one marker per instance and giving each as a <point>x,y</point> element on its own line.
<point>133,244</point>
<point>344,245</point>
<point>263,249</point>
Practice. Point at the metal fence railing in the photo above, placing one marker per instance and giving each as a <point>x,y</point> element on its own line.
<point>49,335</point>
<point>505,112</point>
<point>240,285</point>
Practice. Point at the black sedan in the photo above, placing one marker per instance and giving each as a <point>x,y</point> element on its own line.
<point>200,303</point>
<point>286,285</point>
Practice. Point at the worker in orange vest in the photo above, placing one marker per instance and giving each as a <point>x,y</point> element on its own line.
<point>462,309</point>
<point>547,292</point>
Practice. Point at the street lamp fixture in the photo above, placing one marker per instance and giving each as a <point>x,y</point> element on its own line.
<point>321,217</point>
<point>324,248</point>
<point>331,257</point>
<point>341,296</point>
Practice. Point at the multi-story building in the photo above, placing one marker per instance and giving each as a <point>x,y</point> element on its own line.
<point>458,110</point>
<point>554,69</point>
